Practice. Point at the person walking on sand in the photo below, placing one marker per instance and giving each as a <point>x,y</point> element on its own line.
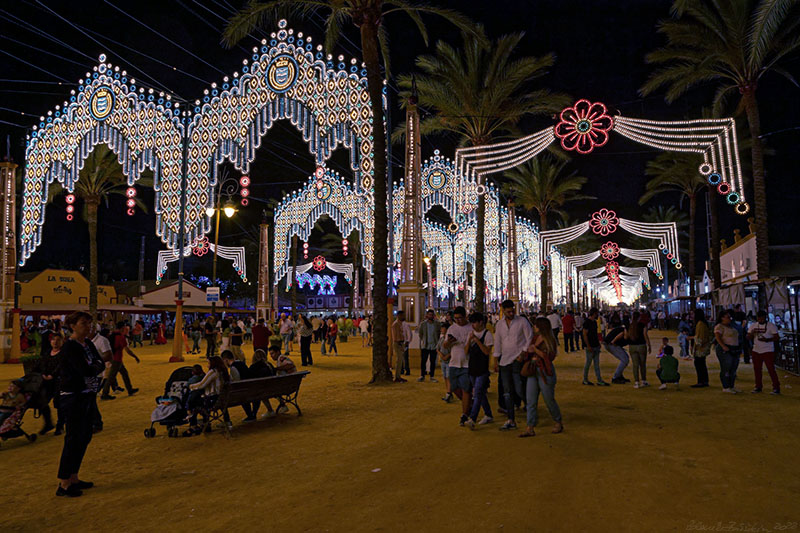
<point>398,346</point>
<point>457,336</point>
<point>119,345</point>
<point>764,334</point>
<point>542,351</point>
<point>78,370</point>
<point>592,342</point>
<point>728,351</point>
<point>428,332</point>
<point>702,348</point>
<point>513,334</point>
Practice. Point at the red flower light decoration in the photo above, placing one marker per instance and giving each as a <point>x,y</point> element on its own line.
<point>604,222</point>
<point>319,263</point>
<point>610,250</point>
<point>584,126</point>
<point>201,247</point>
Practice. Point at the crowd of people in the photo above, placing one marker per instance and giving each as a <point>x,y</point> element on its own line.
<point>80,361</point>
<point>521,349</point>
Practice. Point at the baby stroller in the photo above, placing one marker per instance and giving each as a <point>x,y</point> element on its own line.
<point>171,407</point>
<point>11,428</point>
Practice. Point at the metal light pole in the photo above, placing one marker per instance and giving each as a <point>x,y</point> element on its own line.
<point>231,186</point>
<point>177,338</point>
<point>427,261</point>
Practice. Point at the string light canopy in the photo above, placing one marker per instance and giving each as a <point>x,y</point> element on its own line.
<point>201,248</point>
<point>319,264</point>
<point>604,222</point>
<point>650,255</point>
<point>585,126</point>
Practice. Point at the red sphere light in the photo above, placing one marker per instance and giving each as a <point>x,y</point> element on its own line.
<point>245,193</point>
<point>70,198</point>
<point>131,211</point>
<point>319,172</point>
<point>130,192</point>
<point>245,201</point>
<point>130,202</point>
<point>70,208</point>
<point>244,181</point>
<point>69,217</point>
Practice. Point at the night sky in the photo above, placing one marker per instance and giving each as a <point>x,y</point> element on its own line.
<point>600,47</point>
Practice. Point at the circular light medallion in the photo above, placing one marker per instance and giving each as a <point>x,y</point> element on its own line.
<point>282,73</point>
<point>742,208</point>
<point>733,198</point>
<point>705,169</point>
<point>437,180</point>
<point>453,227</point>
<point>480,189</point>
<point>723,188</point>
<point>714,178</point>
<point>101,103</point>
<point>324,192</point>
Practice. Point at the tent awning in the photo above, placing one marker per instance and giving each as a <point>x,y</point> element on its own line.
<point>65,309</point>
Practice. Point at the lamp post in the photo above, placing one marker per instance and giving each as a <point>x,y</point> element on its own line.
<point>427,261</point>
<point>230,186</point>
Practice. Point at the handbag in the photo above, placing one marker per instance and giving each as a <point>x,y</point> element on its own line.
<point>528,368</point>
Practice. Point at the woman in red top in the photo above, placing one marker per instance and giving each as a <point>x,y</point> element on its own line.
<point>543,349</point>
<point>333,330</point>
<point>161,338</point>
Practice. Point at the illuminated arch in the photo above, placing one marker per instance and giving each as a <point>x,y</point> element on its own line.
<point>324,194</point>
<point>142,128</point>
<point>285,78</point>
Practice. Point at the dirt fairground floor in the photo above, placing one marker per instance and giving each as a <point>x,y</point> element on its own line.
<point>393,458</point>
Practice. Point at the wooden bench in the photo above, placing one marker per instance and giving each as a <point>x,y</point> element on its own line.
<point>236,393</point>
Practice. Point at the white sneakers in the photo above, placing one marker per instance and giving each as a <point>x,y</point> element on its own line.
<point>635,384</point>
<point>663,386</point>
<point>730,391</point>
<point>486,420</point>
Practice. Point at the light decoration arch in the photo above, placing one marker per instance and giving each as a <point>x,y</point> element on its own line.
<point>234,253</point>
<point>141,127</point>
<point>586,125</point>
<point>287,77</point>
<point>325,193</point>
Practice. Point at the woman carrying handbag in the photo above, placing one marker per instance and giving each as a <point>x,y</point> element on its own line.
<point>541,376</point>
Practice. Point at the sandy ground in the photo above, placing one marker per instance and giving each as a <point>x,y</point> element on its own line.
<point>393,458</point>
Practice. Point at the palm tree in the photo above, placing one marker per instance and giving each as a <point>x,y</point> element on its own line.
<point>542,185</point>
<point>480,91</point>
<point>732,44</point>
<point>368,16</point>
<point>99,180</point>
<point>677,172</point>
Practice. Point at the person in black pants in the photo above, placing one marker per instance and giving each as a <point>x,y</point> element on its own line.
<point>78,382</point>
<point>305,330</point>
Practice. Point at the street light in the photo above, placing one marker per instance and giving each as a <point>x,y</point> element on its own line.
<point>427,261</point>
<point>231,187</point>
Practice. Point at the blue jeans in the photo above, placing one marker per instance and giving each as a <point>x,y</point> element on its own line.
<point>480,384</point>
<point>592,356</point>
<point>287,338</point>
<point>547,386</point>
<point>728,363</point>
<point>620,353</point>
<point>511,378</point>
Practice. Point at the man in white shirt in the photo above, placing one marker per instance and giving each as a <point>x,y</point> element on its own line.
<point>579,344</point>
<point>764,334</point>
<point>512,336</point>
<point>457,336</point>
<point>103,346</point>
<point>555,322</point>
<point>407,336</point>
<point>286,327</point>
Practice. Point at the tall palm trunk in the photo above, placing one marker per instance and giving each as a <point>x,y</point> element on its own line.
<point>92,205</point>
<point>546,272</point>
<point>480,247</point>
<point>294,275</point>
<point>759,187</point>
<point>380,326</point>
<point>692,253</point>
<point>716,273</point>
